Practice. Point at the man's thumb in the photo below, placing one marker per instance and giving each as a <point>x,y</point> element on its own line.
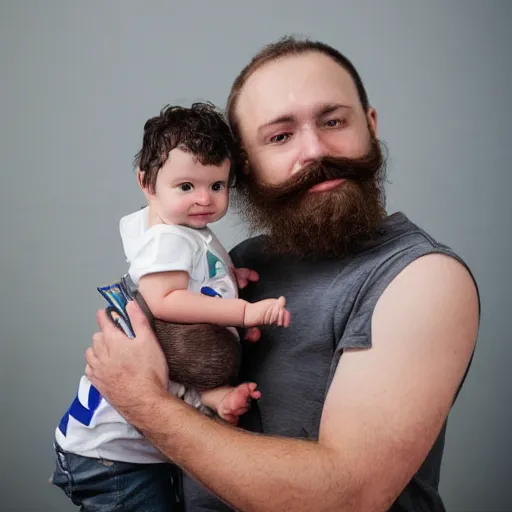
<point>138,319</point>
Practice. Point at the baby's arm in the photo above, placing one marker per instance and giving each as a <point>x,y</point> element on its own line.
<point>229,402</point>
<point>168,298</point>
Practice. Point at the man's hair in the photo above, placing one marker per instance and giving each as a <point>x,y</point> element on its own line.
<point>283,48</point>
<point>200,130</point>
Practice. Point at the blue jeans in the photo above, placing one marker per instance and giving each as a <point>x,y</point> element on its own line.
<point>102,486</point>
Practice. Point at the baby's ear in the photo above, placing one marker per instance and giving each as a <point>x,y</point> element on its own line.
<point>140,182</point>
<point>140,177</point>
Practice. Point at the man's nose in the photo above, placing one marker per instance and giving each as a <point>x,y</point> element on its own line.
<point>203,197</point>
<point>312,147</point>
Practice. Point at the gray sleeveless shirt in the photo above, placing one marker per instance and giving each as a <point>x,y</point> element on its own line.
<point>332,303</point>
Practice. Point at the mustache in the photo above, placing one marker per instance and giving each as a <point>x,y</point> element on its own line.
<point>364,169</point>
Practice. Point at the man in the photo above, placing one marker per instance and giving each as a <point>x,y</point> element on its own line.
<point>355,394</point>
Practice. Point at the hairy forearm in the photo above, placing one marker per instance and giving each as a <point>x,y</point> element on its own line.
<point>249,471</point>
<point>184,306</point>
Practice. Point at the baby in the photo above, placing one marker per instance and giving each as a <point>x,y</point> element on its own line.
<point>179,273</point>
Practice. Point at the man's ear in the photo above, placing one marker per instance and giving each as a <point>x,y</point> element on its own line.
<point>371,116</point>
<point>244,160</point>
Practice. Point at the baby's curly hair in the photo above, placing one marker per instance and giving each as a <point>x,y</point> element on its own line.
<point>200,130</point>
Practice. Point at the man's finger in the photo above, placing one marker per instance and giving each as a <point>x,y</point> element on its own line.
<point>138,319</point>
<point>253,334</point>
<point>105,323</point>
<point>88,371</point>
<point>98,344</point>
<point>241,277</point>
<point>91,359</point>
<point>243,272</point>
<point>253,276</point>
<point>246,275</point>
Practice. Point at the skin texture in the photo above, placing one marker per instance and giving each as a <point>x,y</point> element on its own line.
<point>386,405</point>
<point>297,109</point>
<point>187,192</point>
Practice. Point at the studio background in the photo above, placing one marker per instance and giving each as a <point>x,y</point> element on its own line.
<point>79,79</point>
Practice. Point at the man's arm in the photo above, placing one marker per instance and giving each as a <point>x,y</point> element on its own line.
<point>383,412</point>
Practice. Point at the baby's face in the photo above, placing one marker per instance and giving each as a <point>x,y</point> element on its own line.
<point>189,193</point>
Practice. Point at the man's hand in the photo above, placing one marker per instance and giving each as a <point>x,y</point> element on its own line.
<point>126,371</point>
<point>244,276</point>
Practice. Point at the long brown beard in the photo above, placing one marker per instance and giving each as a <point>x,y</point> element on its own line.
<point>321,224</point>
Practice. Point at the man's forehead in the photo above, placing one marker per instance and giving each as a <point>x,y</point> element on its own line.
<point>295,83</point>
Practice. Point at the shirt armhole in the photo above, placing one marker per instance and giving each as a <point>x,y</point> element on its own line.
<point>357,333</point>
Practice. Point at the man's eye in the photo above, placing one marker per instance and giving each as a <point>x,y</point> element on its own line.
<point>186,187</point>
<point>282,137</point>
<point>217,187</point>
<point>333,123</point>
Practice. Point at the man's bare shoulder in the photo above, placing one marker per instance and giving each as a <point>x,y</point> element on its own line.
<point>387,404</point>
<point>434,275</point>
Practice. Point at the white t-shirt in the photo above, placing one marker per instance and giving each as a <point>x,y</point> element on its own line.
<point>92,427</point>
<point>165,247</point>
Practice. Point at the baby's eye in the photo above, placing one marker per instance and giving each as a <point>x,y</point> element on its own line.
<point>186,187</point>
<point>218,186</point>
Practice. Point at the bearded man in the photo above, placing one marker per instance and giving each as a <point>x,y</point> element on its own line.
<point>357,391</point>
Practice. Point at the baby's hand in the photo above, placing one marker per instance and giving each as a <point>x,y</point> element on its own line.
<point>237,402</point>
<point>244,276</point>
<point>267,312</point>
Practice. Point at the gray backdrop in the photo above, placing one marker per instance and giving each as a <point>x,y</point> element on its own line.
<point>78,81</point>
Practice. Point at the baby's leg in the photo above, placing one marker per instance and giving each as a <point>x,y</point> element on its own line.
<point>230,402</point>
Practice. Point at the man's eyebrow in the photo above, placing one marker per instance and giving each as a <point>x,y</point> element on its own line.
<point>288,118</point>
<point>331,107</point>
<point>278,120</point>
